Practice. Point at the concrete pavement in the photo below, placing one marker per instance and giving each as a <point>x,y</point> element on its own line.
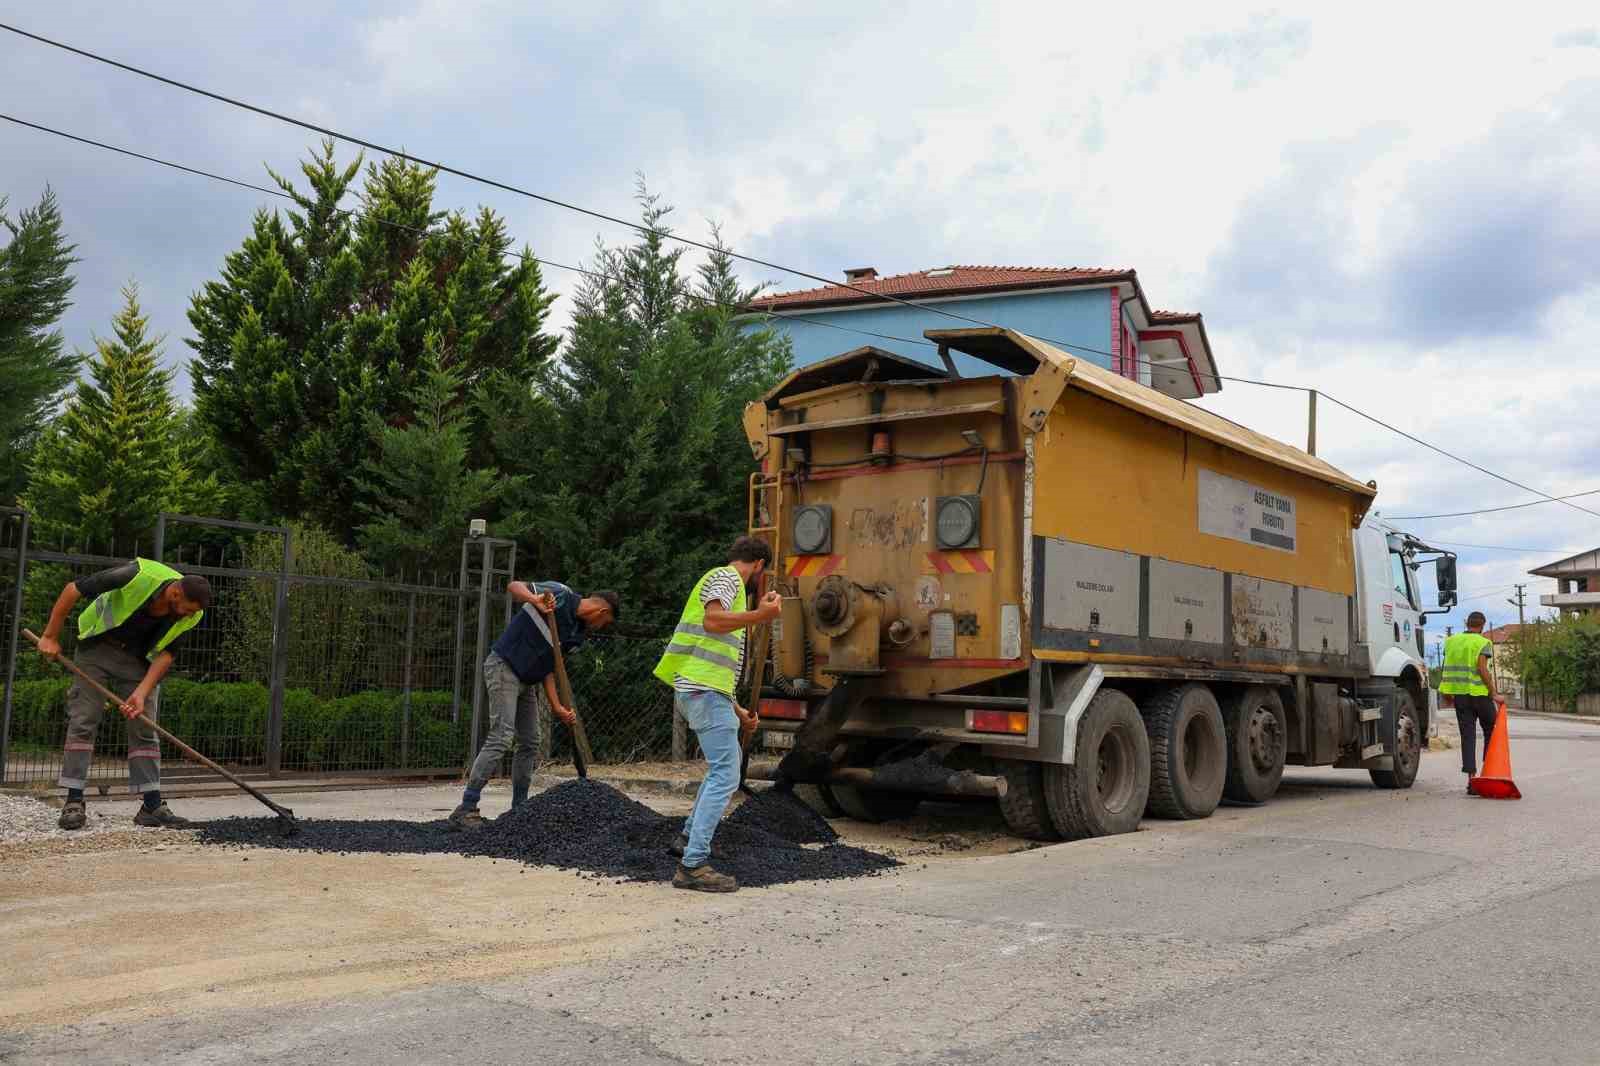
<point>1336,924</point>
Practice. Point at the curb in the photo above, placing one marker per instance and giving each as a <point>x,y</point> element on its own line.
<point>1588,719</point>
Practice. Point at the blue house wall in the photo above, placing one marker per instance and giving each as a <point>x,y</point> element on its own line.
<point>1072,316</point>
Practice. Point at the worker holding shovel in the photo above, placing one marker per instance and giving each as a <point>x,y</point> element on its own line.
<point>136,615</point>
<point>702,663</point>
<point>522,660</point>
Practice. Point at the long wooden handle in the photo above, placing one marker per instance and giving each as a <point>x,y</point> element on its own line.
<point>112,697</point>
<point>763,640</point>
<point>582,757</point>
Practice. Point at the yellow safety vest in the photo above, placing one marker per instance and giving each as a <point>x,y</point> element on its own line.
<point>709,659</point>
<point>110,609</point>
<point>1461,654</point>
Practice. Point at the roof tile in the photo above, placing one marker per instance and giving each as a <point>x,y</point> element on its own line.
<point>941,280</point>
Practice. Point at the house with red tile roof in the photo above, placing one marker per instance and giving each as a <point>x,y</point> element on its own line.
<point>1094,313</point>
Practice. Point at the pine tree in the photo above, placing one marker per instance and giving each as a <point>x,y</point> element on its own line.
<point>322,321</point>
<point>420,489</point>
<point>113,460</point>
<point>35,284</point>
<point>634,437</point>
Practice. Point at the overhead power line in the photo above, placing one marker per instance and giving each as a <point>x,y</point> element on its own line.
<point>1451,455</point>
<point>1492,510</point>
<point>1498,547</point>
<point>417,230</point>
<point>281,194</point>
<point>690,242</point>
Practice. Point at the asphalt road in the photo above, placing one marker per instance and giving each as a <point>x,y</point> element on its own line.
<point>1338,924</point>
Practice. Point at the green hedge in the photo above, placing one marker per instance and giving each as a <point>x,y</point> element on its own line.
<point>228,721</point>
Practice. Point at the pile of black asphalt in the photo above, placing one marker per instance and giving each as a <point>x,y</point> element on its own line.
<point>585,825</point>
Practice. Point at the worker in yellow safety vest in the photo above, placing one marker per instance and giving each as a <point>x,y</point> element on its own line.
<point>1468,684</point>
<point>703,662</point>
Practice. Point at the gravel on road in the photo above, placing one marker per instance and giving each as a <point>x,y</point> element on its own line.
<point>24,820</point>
<point>591,827</point>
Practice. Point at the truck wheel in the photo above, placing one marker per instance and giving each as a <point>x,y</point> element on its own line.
<point>1258,735</point>
<point>1407,747</point>
<point>1104,793</point>
<point>874,804</point>
<point>1188,751</point>
<point>820,799</point>
<point>1024,807</point>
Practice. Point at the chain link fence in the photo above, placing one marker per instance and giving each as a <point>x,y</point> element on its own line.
<point>304,668</point>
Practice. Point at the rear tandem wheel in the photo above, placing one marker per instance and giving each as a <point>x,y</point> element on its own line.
<point>1026,811</point>
<point>1105,791</point>
<point>1188,751</point>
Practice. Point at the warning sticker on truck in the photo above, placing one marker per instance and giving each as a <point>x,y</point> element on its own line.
<point>1242,511</point>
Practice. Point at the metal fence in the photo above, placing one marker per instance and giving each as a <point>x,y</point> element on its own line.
<point>293,673</point>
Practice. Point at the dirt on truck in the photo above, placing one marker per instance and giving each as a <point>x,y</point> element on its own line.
<point>1062,589</point>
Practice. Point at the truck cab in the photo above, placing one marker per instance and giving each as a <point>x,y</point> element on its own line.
<point>1390,614</point>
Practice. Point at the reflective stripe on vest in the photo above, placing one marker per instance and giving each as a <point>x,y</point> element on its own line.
<point>709,659</point>
<point>110,609</point>
<point>1460,674</point>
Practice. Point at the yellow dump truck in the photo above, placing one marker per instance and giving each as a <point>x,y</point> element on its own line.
<point>1058,587</point>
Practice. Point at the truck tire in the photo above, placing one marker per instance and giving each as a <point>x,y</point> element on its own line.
<point>874,804</point>
<point>1408,744</point>
<point>819,798</point>
<point>1024,807</point>
<point>1105,792</point>
<point>1188,751</point>
<point>1258,740</point>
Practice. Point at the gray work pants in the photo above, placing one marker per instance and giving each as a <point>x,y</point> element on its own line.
<point>1473,712</point>
<point>120,671</point>
<point>513,715</point>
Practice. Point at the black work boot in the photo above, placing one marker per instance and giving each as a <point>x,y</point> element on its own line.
<point>73,815</point>
<point>160,818</point>
<point>703,879</point>
<point>679,845</point>
<point>465,817</point>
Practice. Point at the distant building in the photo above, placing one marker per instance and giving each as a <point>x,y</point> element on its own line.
<point>1095,314</point>
<point>1577,579</point>
<point>1506,675</point>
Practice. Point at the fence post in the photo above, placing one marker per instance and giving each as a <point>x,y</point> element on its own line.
<point>483,646</point>
<point>680,737</point>
<point>11,657</point>
<point>405,699</point>
<point>280,660</point>
<point>461,637</point>
<point>161,537</point>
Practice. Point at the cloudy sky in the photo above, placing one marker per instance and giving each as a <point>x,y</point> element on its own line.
<point>1395,207</point>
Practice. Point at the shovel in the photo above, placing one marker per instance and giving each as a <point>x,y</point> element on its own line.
<point>285,815</point>
<point>763,641</point>
<point>581,755</point>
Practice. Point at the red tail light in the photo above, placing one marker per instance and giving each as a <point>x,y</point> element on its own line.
<point>793,710</point>
<point>1015,722</point>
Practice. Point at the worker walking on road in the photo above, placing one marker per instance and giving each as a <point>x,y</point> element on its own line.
<point>1468,683</point>
<point>522,660</point>
<point>702,663</point>
<point>137,614</point>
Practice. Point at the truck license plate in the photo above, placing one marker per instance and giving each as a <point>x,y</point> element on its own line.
<point>779,740</point>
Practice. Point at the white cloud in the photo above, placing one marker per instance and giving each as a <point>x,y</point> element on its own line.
<point>904,135</point>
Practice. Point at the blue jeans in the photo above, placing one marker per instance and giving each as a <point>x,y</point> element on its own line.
<point>710,715</point>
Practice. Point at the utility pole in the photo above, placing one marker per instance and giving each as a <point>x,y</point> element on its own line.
<point>1519,602</point>
<point>1311,422</point>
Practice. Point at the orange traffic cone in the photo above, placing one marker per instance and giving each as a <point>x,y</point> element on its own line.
<point>1495,781</point>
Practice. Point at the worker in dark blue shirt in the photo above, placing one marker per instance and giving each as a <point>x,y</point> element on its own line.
<point>522,660</point>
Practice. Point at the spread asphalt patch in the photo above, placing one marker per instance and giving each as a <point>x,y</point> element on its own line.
<point>589,826</point>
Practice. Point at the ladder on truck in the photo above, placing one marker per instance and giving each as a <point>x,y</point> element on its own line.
<point>766,514</point>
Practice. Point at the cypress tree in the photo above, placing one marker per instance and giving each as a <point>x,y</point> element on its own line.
<point>112,462</point>
<point>35,372</point>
